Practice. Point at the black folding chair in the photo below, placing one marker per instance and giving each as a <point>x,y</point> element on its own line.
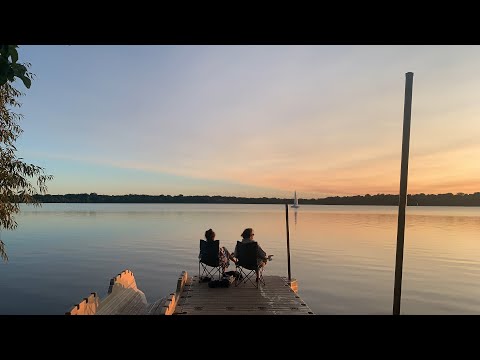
<point>247,265</point>
<point>209,261</point>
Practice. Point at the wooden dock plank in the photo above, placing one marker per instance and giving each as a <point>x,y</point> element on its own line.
<point>124,298</point>
<point>192,297</point>
<point>274,298</point>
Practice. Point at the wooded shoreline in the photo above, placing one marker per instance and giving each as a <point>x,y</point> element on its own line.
<point>449,199</point>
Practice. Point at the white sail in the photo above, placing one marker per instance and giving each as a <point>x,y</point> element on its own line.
<point>295,201</point>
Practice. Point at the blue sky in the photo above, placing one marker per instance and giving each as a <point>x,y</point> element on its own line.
<point>251,120</point>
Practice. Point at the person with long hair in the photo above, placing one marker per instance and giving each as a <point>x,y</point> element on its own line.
<point>224,255</point>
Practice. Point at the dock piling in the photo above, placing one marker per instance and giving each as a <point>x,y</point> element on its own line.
<point>288,243</point>
<point>402,202</point>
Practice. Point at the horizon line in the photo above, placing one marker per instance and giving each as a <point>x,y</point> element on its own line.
<point>263,197</point>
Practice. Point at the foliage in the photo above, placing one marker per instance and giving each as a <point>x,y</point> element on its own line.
<point>460,199</point>
<point>10,68</point>
<point>16,176</point>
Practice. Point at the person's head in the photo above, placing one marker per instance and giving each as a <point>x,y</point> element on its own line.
<point>248,233</point>
<point>210,235</point>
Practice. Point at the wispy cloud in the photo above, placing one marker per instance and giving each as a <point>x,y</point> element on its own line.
<point>324,120</point>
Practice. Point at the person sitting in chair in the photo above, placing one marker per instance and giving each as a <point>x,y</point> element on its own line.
<point>262,258</point>
<point>224,256</point>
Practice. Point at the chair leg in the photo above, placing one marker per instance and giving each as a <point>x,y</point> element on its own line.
<point>246,276</point>
<point>261,280</point>
<point>237,276</point>
<point>208,271</point>
<point>256,279</point>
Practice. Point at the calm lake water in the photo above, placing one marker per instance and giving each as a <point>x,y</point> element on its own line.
<point>342,256</point>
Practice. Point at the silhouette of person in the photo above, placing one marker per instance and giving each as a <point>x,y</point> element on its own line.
<point>224,255</point>
<point>262,258</point>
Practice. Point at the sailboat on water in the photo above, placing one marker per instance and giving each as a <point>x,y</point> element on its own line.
<point>295,201</point>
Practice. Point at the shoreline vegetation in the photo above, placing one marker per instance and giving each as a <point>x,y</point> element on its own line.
<point>448,199</point>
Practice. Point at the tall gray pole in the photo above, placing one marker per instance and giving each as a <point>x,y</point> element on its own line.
<point>402,202</point>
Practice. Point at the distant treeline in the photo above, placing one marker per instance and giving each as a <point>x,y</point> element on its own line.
<point>449,199</point>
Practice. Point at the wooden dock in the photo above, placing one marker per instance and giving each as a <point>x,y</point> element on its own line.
<point>274,298</point>
<point>191,297</point>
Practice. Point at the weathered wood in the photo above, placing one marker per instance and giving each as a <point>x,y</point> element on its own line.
<point>170,304</point>
<point>293,284</point>
<point>125,279</point>
<point>124,298</point>
<point>156,307</point>
<point>88,306</point>
<point>277,297</point>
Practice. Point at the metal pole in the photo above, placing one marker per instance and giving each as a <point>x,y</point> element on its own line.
<point>288,244</point>
<point>402,202</point>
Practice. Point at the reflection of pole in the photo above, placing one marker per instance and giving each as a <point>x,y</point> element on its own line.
<point>295,218</point>
<point>288,243</point>
<point>402,202</point>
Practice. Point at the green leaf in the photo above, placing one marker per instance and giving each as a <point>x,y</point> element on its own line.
<point>26,81</point>
<point>20,71</point>
<point>13,53</point>
<point>4,51</point>
<point>18,68</point>
<point>4,65</point>
<point>10,75</point>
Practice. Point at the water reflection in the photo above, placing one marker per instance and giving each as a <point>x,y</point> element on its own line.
<point>343,256</point>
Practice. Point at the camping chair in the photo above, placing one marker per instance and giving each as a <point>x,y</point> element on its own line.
<point>247,265</point>
<point>209,262</point>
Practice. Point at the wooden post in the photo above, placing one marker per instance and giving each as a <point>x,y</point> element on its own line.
<point>288,244</point>
<point>402,202</point>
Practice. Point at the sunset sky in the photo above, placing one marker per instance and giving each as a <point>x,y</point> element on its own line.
<point>251,120</point>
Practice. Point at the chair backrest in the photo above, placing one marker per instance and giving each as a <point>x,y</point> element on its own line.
<point>209,252</point>
<point>247,255</point>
